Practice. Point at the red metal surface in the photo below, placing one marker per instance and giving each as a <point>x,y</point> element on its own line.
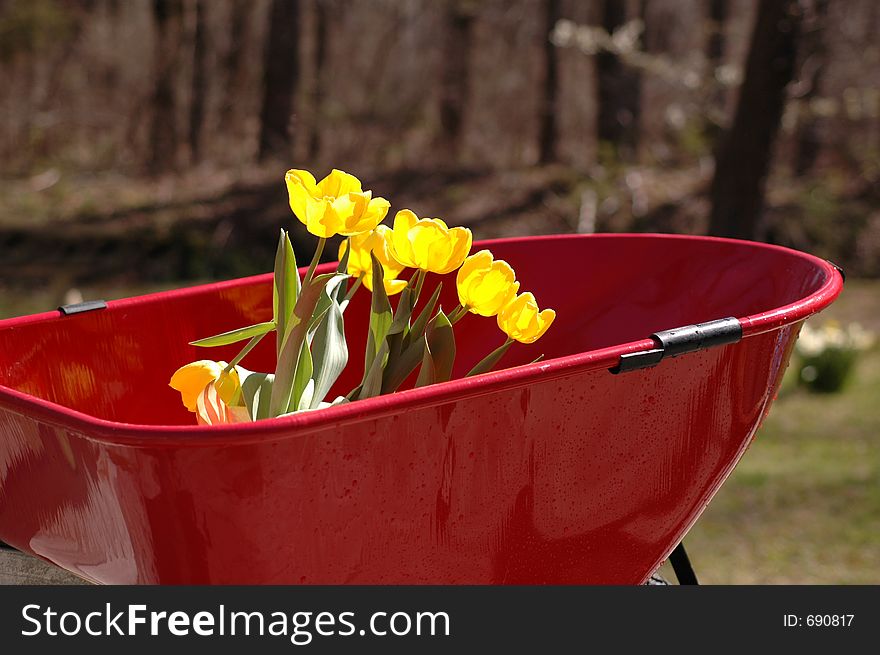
<point>556,472</point>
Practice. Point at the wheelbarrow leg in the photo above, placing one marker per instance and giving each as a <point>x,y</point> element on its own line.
<point>681,564</point>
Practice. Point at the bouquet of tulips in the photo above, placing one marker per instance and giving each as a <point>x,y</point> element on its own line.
<point>308,316</point>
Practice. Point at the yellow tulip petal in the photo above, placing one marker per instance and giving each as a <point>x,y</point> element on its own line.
<point>338,183</point>
<point>461,240</point>
<point>377,210</point>
<point>428,244</point>
<point>382,249</point>
<point>299,201</point>
<point>321,219</point>
<point>228,386</point>
<point>493,292</point>
<point>545,320</point>
<point>426,240</point>
<point>477,262</point>
<point>401,248</point>
<point>360,262</point>
<point>305,178</point>
<point>345,209</point>
<point>354,222</point>
<point>363,215</point>
<point>520,319</point>
<point>405,219</point>
<point>191,380</point>
<point>393,287</point>
<point>485,286</point>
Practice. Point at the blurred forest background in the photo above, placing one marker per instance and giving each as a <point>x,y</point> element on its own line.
<point>143,145</point>
<point>141,139</point>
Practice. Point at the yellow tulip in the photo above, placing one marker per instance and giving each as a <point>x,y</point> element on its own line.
<point>428,244</point>
<point>520,319</point>
<point>361,264</point>
<point>485,285</point>
<point>191,380</point>
<point>335,205</point>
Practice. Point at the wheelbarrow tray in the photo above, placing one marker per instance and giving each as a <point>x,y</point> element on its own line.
<point>556,472</point>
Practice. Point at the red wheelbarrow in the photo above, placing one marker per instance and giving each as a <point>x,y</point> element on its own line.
<point>586,467</point>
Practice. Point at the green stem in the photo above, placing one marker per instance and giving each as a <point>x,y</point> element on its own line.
<point>457,314</point>
<point>420,280</point>
<point>244,351</point>
<point>354,288</point>
<point>317,258</point>
<point>488,362</point>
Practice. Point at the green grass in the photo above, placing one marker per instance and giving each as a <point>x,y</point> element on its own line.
<point>803,505</point>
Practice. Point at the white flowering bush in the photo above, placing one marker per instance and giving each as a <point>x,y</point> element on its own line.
<point>827,354</point>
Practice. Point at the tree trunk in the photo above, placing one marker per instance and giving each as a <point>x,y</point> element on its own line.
<point>318,90</point>
<point>548,136</point>
<point>715,58</point>
<point>457,46</point>
<point>814,57</point>
<point>197,104</point>
<point>715,47</point>
<point>233,62</point>
<point>168,17</point>
<point>717,17</point>
<point>742,162</point>
<point>619,88</point>
<point>280,77</point>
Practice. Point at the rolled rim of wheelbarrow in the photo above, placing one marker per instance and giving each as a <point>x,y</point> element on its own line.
<point>103,430</point>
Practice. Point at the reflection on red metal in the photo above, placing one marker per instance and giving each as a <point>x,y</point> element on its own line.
<point>556,472</point>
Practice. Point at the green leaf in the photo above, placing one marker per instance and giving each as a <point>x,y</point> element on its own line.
<point>296,332</point>
<point>329,350</point>
<point>342,267</point>
<point>405,341</point>
<point>335,290</point>
<point>354,393</point>
<point>256,388</point>
<point>440,339</point>
<point>485,365</point>
<point>402,314</point>
<point>305,399</point>
<point>421,322</point>
<point>400,367</point>
<point>234,336</point>
<point>286,289</point>
<point>337,293</point>
<point>339,400</point>
<point>372,384</point>
<point>428,372</point>
<point>399,324</point>
<point>441,342</point>
<point>380,317</point>
<point>302,377</point>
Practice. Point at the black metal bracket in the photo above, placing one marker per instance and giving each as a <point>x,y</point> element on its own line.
<point>681,564</point>
<point>681,340</point>
<point>838,269</point>
<point>80,307</point>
